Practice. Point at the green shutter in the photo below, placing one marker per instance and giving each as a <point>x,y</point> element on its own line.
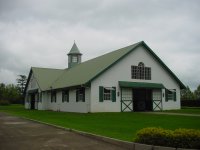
<point>63,92</point>
<point>51,97</point>
<point>100,93</point>
<point>83,94</point>
<point>77,95</point>
<point>40,96</point>
<point>55,96</point>
<point>174,94</point>
<point>114,94</point>
<point>166,95</point>
<point>67,95</point>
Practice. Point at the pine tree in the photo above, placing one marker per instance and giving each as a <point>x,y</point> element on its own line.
<point>21,83</point>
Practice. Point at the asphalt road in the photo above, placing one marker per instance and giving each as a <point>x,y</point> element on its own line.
<point>21,134</point>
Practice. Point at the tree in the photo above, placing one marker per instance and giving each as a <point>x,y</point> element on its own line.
<point>197,92</point>
<point>187,94</point>
<point>2,89</point>
<point>21,83</point>
<point>10,94</point>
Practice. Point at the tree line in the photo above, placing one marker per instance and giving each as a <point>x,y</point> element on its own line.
<point>187,94</point>
<point>13,93</point>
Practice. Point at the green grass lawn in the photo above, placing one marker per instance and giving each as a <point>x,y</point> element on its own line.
<point>186,110</point>
<point>116,125</point>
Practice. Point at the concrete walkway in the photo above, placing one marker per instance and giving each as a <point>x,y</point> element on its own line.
<point>21,134</point>
<point>170,113</point>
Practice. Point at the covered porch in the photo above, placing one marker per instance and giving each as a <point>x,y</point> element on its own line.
<point>141,96</point>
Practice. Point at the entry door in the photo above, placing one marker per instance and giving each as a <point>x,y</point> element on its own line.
<point>32,101</point>
<point>139,96</point>
<point>142,99</point>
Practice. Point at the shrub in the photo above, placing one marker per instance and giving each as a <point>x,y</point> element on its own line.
<point>187,138</point>
<point>190,103</point>
<point>179,138</point>
<point>4,102</point>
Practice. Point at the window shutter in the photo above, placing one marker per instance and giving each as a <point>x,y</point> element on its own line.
<point>174,94</point>
<point>55,97</point>
<point>100,93</point>
<point>83,94</point>
<point>63,96</point>
<point>77,95</point>
<point>114,94</point>
<point>51,98</point>
<point>40,96</point>
<point>37,97</point>
<point>166,95</point>
<point>67,95</point>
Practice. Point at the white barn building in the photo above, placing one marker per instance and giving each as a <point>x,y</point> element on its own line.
<point>132,78</point>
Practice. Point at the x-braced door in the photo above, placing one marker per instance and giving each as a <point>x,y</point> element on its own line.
<point>157,99</point>
<point>126,100</point>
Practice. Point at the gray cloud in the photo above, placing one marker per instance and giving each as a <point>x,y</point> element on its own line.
<point>41,32</point>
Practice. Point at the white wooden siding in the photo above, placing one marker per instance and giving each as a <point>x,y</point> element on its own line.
<point>122,72</point>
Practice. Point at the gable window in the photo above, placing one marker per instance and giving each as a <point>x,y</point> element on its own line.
<point>170,94</point>
<point>53,96</point>
<point>141,72</point>
<point>74,59</point>
<point>80,95</point>
<point>147,73</point>
<point>107,94</point>
<point>65,96</point>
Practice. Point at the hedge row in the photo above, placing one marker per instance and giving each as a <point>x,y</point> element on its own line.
<point>179,138</point>
<point>4,102</point>
<point>190,103</point>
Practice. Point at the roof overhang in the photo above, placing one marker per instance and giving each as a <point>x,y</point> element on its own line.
<point>33,91</point>
<point>141,85</point>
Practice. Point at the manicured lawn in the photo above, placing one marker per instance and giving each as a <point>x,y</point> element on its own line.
<point>117,125</point>
<point>187,110</point>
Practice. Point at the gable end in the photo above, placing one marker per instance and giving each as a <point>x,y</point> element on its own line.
<point>142,43</point>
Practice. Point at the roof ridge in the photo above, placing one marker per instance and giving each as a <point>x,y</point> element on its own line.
<point>115,51</point>
<point>107,54</point>
<point>85,72</point>
<point>118,54</point>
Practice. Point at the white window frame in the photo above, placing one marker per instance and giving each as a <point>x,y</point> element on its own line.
<point>53,97</point>
<point>141,72</point>
<point>170,96</point>
<point>74,59</point>
<point>80,96</point>
<point>65,96</point>
<point>107,96</point>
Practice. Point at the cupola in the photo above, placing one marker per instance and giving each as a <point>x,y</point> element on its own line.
<point>74,56</point>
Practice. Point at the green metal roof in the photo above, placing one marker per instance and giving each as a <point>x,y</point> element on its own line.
<point>46,76</point>
<point>74,50</point>
<point>84,73</point>
<point>141,85</point>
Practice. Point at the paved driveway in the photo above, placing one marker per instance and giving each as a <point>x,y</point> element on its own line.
<point>21,134</point>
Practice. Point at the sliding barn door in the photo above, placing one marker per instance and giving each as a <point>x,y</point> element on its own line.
<point>126,100</point>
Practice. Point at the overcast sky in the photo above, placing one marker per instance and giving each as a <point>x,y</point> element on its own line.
<point>41,32</point>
